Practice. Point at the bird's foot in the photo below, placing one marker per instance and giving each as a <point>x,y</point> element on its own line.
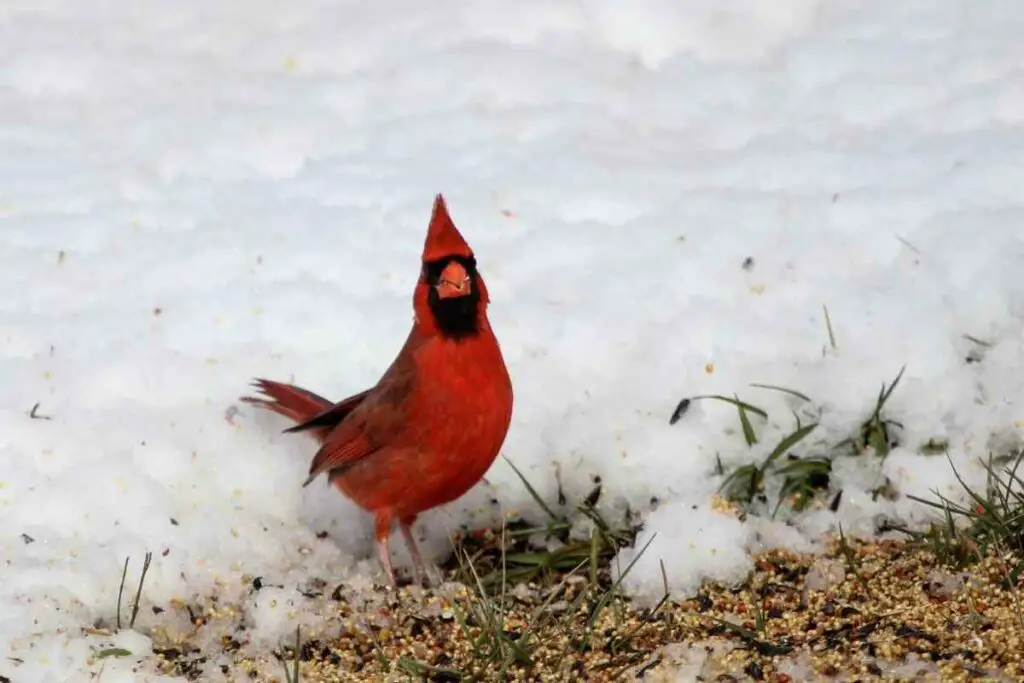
<point>426,579</point>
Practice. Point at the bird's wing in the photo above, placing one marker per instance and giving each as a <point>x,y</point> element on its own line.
<point>333,415</point>
<point>339,452</point>
<point>379,416</point>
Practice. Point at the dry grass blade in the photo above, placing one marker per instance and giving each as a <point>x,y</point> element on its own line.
<point>120,591</point>
<point>138,593</point>
<point>828,327</point>
<point>749,637</point>
<point>425,671</point>
<point>851,559</point>
<point>292,675</point>
<point>975,340</point>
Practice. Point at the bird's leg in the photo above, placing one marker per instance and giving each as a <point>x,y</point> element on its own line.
<point>382,528</point>
<point>405,524</point>
<point>385,559</point>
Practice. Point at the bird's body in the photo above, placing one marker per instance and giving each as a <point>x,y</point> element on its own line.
<point>432,426</point>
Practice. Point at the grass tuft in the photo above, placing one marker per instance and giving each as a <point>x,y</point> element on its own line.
<point>517,559</point>
<point>877,432</point>
<point>800,480</point>
<point>747,482</point>
<point>578,573</point>
<point>991,523</point>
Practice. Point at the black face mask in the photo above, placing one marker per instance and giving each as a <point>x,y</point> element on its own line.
<point>456,316</point>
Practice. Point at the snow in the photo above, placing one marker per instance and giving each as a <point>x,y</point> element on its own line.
<point>195,194</point>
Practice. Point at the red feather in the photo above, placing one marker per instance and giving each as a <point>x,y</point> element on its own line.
<point>433,424</point>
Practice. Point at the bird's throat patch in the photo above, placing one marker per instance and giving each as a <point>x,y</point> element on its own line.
<point>455,314</point>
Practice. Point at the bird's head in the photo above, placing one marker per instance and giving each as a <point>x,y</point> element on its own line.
<point>451,297</point>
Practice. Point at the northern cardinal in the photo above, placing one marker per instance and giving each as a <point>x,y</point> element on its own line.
<point>434,422</point>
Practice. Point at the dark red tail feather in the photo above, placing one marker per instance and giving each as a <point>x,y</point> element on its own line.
<point>284,399</point>
<point>311,411</point>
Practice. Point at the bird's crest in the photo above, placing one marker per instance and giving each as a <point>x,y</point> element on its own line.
<point>443,238</point>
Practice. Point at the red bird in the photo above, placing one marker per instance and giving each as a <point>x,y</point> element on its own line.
<point>433,424</point>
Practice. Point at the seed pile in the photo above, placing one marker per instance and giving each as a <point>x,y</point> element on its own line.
<point>860,612</point>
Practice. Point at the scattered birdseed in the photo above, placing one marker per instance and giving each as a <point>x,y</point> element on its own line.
<point>884,611</point>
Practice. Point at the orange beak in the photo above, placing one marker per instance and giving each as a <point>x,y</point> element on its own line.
<point>454,281</point>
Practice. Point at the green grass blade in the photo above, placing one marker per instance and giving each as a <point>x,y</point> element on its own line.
<point>784,390</point>
<point>734,401</point>
<point>883,397</point>
<point>788,442</point>
<point>748,429</point>
<point>533,492</point>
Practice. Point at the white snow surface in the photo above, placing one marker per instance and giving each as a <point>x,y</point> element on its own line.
<point>196,193</point>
